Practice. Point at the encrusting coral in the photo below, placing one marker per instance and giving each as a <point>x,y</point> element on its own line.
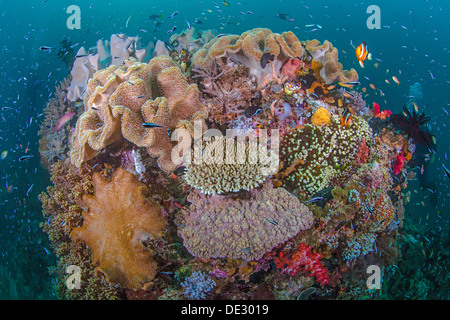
<point>119,100</point>
<point>119,226</point>
<point>219,226</point>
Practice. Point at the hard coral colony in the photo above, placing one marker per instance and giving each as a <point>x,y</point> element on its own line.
<point>145,225</point>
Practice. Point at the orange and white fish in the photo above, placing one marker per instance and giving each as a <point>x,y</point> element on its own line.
<point>64,119</point>
<point>362,53</point>
<point>395,79</point>
<point>346,117</point>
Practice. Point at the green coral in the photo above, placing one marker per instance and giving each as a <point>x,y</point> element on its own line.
<point>326,153</point>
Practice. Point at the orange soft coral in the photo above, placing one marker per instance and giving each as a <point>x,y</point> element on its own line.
<point>119,221</point>
<point>321,117</point>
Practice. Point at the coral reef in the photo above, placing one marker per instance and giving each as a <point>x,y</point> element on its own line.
<point>219,226</point>
<point>146,214</point>
<point>119,226</point>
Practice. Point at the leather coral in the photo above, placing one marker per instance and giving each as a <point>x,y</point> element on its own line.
<point>118,227</point>
<point>120,99</point>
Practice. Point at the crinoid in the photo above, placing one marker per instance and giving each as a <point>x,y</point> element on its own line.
<point>410,124</point>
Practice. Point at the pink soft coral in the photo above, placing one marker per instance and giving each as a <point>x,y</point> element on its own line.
<point>303,259</point>
<point>290,67</point>
<point>380,114</point>
<point>399,163</point>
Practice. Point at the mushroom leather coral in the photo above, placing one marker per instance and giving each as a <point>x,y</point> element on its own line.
<point>119,100</point>
<point>119,220</point>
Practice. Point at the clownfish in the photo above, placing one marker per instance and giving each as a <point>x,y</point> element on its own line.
<point>362,53</point>
<point>346,117</point>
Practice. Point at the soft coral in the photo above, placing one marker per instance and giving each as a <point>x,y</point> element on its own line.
<point>303,259</point>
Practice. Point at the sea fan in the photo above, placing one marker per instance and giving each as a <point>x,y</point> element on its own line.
<point>410,124</point>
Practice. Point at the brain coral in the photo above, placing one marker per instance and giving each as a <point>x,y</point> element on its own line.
<point>247,49</point>
<point>221,227</point>
<point>119,219</point>
<point>223,169</point>
<point>120,99</point>
<point>330,68</point>
<point>324,154</point>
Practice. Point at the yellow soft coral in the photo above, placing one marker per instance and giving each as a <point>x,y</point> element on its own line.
<point>119,219</point>
<point>321,117</point>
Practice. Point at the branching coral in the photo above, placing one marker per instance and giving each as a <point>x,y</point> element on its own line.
<point>197,285</point>
<point>56,108</point>
<point>118,226</point>
<point>219,226</point>
<point>226,92</point>
<point>230,165</point>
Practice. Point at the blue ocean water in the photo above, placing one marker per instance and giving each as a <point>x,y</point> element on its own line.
<point>412,45</point>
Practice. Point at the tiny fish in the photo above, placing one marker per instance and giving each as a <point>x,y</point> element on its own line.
<point>23,158</point>
<point>150,125</point>
<point>6,108</point>
<point>252,111</point>
<point>172,30</point>
<point>284,16</point>
<point>271,221</point>
<point>81,55</point>
<point>188,24</point>
<point>141,96</point>
<point>29,189</point>
<point>447,172</point>
<point>179,171</point>
<point>45,48</point>
<point>314,200</point>
<point>172,15</point>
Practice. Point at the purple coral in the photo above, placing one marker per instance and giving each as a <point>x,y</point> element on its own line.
<point>197,285</point>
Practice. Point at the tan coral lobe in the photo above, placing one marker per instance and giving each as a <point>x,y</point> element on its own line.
<point>119,219</point>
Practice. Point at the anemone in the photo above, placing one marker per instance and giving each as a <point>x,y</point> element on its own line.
<point>410,124</point>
